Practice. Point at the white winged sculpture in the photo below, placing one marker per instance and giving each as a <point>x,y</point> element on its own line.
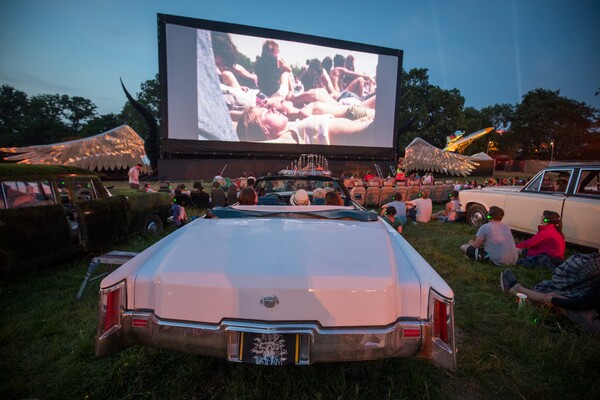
<point>117,148</point>
<point>420,155</point>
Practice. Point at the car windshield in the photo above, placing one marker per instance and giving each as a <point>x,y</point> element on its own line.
<point>280,189</point>
<point>291,184</point>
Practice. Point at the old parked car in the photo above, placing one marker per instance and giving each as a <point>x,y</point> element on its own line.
<point>47,212</point>
<point>279,284</point>
<point>573,191</point>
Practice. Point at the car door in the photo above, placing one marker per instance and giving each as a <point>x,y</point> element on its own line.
<point>33,223</point>
<point>581,212</point>
<point>546,191</point>
<point>94,212</point>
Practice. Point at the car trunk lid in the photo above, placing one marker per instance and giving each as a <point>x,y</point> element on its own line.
<point>334,272</point>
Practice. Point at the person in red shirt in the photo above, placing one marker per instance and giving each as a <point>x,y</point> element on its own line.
<point>400,175</point>
<point>368,176</point>
<point>547,247</point>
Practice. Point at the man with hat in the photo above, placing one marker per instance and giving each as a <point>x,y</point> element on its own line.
<point>300,198</point>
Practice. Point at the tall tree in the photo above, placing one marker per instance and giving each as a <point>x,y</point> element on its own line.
<point>77,111</point>
<point>100,124</point>
<point>44,123</point>
<point>474,121</point>
<point>41,119</point>
<point>499,116</point>
<point>547,124</point>
<point>14,106</point>
<point>437,112</point>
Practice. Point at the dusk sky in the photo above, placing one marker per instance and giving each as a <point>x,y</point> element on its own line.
<point>492,51</point>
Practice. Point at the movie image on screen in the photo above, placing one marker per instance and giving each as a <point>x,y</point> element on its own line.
<point>267,90</point>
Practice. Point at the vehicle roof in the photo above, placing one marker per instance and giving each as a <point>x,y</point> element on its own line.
<point>573,165</point>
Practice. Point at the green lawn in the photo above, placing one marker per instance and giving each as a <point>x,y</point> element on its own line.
<point>47,346</point>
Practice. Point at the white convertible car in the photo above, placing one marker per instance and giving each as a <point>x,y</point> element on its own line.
<point>573,191</point>
<point>278,284</point>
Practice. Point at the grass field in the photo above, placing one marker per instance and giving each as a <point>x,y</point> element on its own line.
<point>47,346</point>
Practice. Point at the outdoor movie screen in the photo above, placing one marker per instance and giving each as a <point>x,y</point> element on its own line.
<point>229,88</point>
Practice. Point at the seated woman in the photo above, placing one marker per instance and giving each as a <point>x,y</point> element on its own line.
<point>345,81</point>
<point>230,73</point>
<point>452,212</point>
<point>547,247</point>
<point>315,77</point>
<point>248,197</point>
<point>274,75</point>
<point>178,210</point>
<point>333,198</point>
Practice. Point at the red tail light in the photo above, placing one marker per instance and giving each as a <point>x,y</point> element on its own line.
<point>440,320</point>
<point>112,314</point>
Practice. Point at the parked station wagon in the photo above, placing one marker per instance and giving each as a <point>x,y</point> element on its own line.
<point>278,284</point>
<point>573,191</point>
<point>47,212</point>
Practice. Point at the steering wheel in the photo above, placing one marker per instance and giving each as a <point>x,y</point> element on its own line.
<point>84,194</point>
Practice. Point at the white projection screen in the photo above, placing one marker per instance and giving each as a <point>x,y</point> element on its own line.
<point>230,89</point>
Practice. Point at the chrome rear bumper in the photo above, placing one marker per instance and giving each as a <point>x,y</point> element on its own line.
<point>403,338</point>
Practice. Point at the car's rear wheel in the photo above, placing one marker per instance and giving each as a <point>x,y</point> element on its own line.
<point>153,226</point>
<point>476,215</point>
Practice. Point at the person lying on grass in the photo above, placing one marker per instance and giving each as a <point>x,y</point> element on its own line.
<point>574,289</point>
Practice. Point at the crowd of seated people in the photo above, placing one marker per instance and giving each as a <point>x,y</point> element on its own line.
<point>574,287</point>
<point>412,188</point>
<point>229,195</point>
<point>415,178</point>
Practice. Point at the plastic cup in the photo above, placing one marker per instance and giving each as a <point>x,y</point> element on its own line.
<point>521,297</point>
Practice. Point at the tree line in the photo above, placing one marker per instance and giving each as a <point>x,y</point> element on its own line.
<point>544,122</point>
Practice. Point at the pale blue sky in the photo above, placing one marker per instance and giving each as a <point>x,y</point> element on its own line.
<point>492,51</point>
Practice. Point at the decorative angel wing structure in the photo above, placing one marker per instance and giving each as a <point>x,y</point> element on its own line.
<point>420,155</point>
<point>118,148</point>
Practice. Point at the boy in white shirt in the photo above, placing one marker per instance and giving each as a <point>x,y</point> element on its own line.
<point>420,209</point>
